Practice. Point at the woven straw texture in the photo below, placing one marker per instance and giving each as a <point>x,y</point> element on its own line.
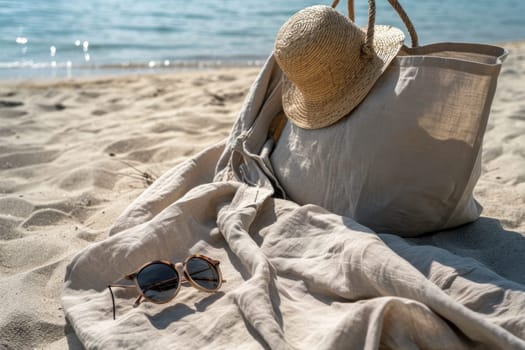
<point>326,71</point>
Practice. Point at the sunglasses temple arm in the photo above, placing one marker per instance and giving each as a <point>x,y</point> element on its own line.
<point>112,300</point>
<point>113,297</point>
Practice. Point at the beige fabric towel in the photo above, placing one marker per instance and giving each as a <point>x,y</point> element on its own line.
<point>298,277</point>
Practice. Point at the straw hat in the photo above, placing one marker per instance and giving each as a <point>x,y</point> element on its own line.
<point>328,69</point>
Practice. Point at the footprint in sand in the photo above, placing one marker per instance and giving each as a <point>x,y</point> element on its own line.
<point>519,115</point>
<point>89,94</point>
<point>98,112</point>
<point>200,81</point>
<point>16,207</point>
<point>13,113</point>
<point>227,78</point>
<point>10,104</point>
<point>115,107</point>
<point>8,228</point>
<point>53,107</point>
<point>34,330</point>
<point>80,178</point>
<point>21,159</point>
<point>491,153</point>
<point>46,217</point>
<point>6,132</point>
<point>7,186</point>
<point>131,144</point>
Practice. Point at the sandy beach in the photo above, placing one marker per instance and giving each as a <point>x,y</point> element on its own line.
<point>75,153</point>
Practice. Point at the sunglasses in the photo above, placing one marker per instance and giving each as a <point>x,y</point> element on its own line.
<point>159,281</point>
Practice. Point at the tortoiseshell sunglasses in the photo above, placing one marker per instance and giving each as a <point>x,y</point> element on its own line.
<point>159,281</point>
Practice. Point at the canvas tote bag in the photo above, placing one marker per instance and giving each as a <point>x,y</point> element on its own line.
<point>406,160</point>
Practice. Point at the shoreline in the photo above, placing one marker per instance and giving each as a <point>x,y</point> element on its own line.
<point>104,71</point>
<point>74,154</point>
<point>124,74</point>
<point>107,71</point>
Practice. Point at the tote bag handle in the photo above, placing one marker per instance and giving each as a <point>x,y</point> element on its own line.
<point>372,18</point>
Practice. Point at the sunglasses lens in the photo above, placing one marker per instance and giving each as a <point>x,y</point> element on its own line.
<point>203,273</point>
<point>158,282</point>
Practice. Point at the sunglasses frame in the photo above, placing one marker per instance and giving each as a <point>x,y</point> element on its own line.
<point>185,278</point>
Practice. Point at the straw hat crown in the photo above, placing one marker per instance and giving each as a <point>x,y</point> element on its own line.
<point>327,69</point>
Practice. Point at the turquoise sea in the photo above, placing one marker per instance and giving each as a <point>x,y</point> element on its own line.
<point>53,38</point>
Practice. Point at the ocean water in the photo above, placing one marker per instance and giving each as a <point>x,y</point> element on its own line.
<point>53,38</point>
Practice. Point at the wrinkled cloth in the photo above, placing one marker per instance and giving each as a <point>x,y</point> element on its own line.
<point>298,277</point>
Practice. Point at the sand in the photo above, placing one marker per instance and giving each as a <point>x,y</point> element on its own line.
<point>75,153</point>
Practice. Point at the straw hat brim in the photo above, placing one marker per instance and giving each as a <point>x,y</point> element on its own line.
<point>309,114</point>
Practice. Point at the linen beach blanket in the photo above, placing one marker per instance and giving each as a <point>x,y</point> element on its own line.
<point>298,277</point>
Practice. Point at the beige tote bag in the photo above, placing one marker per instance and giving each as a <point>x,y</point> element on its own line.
<point>406,160</point>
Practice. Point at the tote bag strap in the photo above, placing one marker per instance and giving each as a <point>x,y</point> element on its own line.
<point>372,17</point>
